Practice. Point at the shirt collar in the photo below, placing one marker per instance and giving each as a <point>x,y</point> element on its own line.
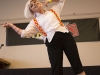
<point>38,14</point>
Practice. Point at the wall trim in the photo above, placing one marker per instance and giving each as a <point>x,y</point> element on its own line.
<point>63,17</point>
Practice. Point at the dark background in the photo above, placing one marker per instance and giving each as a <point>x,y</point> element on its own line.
<point>88,32</point>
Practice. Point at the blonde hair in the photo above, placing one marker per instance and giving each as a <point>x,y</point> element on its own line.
<point>27,12</point>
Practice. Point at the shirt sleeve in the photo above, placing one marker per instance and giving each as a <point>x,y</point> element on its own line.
<point>59,6</point>
<point>30,30</point>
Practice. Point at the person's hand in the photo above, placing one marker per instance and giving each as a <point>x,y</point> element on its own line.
<point>7,25</point>
<point>45,3</point>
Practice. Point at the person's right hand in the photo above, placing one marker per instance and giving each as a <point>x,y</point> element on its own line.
<point>45,3</point>
<point>7,25</point>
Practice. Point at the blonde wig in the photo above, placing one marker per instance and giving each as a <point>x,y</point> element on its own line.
<point>27,12</point>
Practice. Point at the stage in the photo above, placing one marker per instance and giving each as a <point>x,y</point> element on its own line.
<point>90,70</point>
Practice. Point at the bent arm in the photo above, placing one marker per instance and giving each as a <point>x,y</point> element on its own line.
<point>54,0</point>
<point>59,6</point>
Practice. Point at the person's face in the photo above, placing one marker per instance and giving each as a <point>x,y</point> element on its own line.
<point>35,5</point>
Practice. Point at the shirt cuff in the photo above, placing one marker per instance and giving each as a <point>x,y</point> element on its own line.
<point>23,35</point>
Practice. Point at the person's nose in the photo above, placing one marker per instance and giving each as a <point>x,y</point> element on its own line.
<point>34,4</point>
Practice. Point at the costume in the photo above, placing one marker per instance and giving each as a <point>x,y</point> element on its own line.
<point>57,40</point>
<point>48,22</point>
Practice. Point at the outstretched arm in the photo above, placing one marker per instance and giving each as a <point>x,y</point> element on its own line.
<point>29,31</point>
<point>7,25</point>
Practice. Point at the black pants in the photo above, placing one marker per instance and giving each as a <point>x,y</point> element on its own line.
<point>63,42</point>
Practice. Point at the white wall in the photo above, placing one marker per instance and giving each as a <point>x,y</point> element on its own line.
<point>35,56</point>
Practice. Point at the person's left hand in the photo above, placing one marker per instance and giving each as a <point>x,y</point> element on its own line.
<point>45,3</point>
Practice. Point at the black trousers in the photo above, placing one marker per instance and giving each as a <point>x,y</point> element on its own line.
<point>63,42</point>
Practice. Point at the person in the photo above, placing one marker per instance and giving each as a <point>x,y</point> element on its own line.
<point>56,36</point>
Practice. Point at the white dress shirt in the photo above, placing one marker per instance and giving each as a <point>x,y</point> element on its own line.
<point>48,22</point>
